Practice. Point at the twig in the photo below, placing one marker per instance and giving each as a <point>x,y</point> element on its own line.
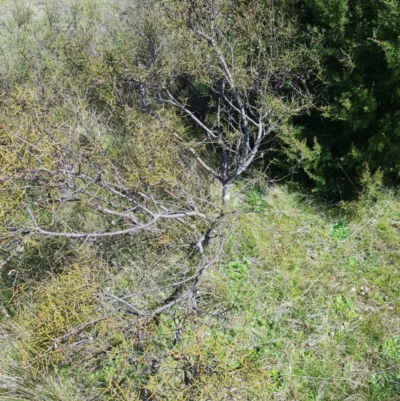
<point>133,308</point>
<point>107,234</point>
<point>311,285</point>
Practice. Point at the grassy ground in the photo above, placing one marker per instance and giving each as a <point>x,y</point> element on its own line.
<point>306,299</point>
<point>323,288</point>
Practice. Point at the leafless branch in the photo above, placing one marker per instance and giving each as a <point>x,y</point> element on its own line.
<point>132,230</point>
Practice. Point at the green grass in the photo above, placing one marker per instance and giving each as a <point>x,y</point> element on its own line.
<point>321,294</point>
<point>304,304</point>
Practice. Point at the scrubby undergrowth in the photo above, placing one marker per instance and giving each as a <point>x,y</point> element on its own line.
<point>304,305</point>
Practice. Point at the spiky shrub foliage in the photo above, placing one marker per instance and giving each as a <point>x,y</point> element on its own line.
<point>18,381</point>
<point>206,361</point>
<point>211,364</point>
<point>50,325</point>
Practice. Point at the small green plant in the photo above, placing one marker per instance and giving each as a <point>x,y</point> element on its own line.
<point>344,308</point>
<point>391,349</point>
<point>385,385</point>
<point>386,381</point>
<point>340,231</point>
<point>237,270</point>
<point>255,200</point>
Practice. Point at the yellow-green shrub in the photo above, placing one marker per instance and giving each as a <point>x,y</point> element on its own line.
<point>60,306</point>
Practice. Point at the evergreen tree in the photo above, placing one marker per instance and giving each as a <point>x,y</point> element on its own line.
<point>354,123</point>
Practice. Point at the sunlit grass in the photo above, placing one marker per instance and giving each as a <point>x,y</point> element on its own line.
<point>322,293</point>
